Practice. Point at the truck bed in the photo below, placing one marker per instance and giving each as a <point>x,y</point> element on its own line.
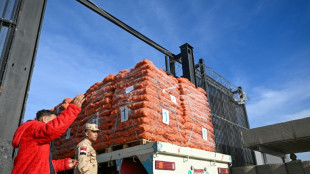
<point>184,159</point>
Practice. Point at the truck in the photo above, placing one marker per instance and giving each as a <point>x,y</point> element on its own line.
<point>162,158</point>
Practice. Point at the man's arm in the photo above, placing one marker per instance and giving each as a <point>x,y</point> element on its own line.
<point>60,165</point>
<point>64,164</point>
<point>53,129</point>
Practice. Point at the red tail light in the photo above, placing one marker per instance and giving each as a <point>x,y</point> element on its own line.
<point>199,171</point>
<point>223,170</point>
<point>164,165</point>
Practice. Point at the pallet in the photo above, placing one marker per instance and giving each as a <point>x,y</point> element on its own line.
<point>126,145</point>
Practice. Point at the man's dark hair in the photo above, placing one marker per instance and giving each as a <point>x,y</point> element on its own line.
<point>42,113</point>
<point>293,156</point>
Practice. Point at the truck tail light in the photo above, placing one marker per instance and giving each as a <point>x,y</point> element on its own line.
<point>223,170</point>
<point>199,171</point>
<point>164,165</point>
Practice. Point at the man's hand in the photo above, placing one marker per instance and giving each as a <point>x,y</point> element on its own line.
<point>73,163</point>
<point>78,100</point>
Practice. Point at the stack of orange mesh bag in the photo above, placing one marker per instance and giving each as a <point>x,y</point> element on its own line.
<point>197,116</point>
<point>143,103</point>
<point>143,108</point>
<point>96,109</point>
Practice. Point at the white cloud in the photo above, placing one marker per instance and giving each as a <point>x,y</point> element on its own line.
<point>298,115</point>
<point>288,101</point>
<point>64,68</point>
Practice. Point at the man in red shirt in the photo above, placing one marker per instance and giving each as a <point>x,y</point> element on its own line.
<point>33,140</point>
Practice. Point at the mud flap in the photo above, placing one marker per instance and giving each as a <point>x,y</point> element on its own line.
<point>147,162</point>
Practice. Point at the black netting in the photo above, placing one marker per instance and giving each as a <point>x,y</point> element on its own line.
<point>229,117</point>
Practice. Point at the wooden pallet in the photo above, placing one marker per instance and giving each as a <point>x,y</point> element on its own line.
<point>126,145</point>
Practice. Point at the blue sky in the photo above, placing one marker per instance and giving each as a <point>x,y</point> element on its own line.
<point>263,46</point>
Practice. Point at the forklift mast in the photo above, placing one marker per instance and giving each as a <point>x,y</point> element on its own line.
<point>20,26</point>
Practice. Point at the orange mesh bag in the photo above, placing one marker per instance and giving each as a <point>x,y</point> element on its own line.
<point>143,103</point>
<point>197,116</point>
<point>146,106</point>
<point>96,109</point>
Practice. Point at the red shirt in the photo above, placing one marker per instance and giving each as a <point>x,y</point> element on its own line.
<point>33,139</point>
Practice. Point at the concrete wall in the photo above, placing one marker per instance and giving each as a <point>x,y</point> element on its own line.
<point>263,158</point>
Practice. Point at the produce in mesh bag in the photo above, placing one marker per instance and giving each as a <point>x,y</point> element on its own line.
<point>142,106</point>
<point>197,116</point>
<point>143,103</point>
<point>96,109</point>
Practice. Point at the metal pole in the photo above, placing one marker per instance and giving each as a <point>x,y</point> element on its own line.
<point>167,59</point>
<point>188,63</point>
<point>203,73</point>
<point>204,76</point>
<point>172,67</point>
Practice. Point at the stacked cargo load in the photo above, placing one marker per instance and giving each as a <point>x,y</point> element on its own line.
<point>96,109</point>
<point>197,116</point>
<point>146,106</point>
<point>141,104</point>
